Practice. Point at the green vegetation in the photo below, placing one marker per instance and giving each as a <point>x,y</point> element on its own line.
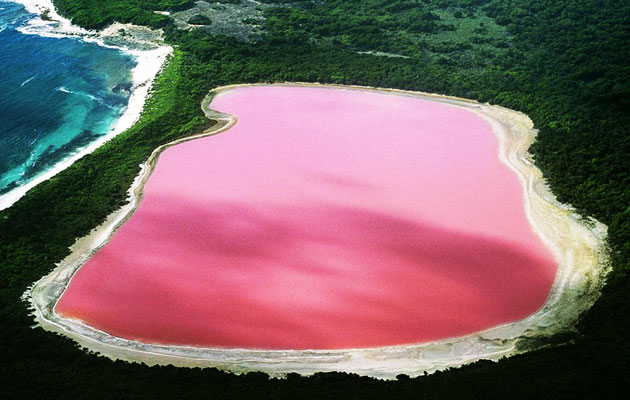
<point>564,63</point>
<point>97,14</point>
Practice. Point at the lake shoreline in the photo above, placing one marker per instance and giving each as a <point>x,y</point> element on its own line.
<point>571,239</point>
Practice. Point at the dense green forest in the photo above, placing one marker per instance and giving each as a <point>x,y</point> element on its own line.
<point>563,62</point>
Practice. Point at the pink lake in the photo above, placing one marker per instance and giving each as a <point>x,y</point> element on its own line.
<point>324,219</point>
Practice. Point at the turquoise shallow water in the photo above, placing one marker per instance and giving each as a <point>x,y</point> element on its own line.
<point>57,95</point>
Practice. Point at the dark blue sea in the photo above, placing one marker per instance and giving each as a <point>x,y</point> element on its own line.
<point>57,95</point>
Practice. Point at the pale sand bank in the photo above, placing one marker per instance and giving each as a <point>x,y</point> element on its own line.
<point>578,247</point>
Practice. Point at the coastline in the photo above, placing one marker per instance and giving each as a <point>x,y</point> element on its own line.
<point>579,248</point>
<point>149,63</point>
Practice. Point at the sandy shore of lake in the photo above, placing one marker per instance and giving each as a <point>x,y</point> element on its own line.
<point>578,247</point>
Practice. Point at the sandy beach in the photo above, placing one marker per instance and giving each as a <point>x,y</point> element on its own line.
<point>578,247</point>
<point>150,58</point>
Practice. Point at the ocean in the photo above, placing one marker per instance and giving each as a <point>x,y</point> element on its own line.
<point>57,95</point>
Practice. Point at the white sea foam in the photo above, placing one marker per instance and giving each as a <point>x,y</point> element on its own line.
<point>28,80</point>
<point>149,63</point>
<point>89,96</point>
<point>58,26</point>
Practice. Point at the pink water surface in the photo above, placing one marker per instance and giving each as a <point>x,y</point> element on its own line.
<point>323,219</point>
